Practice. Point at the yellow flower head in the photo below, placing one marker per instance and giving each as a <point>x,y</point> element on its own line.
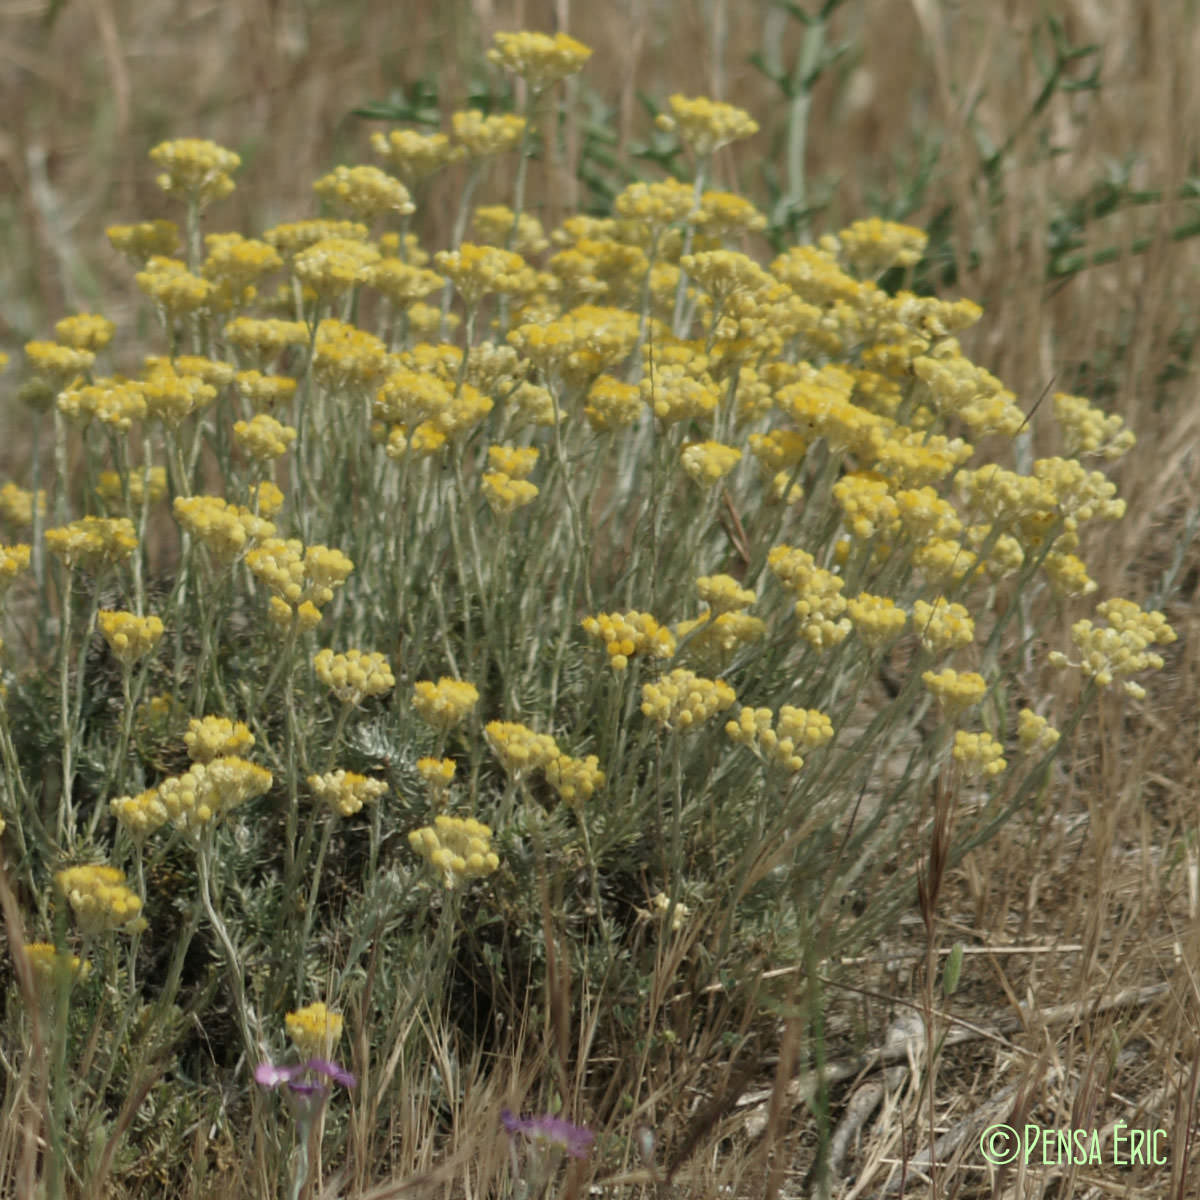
<point>315,1030</point>
<point>539,58</point>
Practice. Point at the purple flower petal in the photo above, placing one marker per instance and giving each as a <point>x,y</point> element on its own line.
<point>574,1139</point>
<point>269,1075</point>
<point>331,1070</point>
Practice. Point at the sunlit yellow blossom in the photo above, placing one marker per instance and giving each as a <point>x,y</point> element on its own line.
<point>518,747</point>
<point>683,699</point>
<point>13,560</point>
<point>723,593</point>
<point>115,403</point>
<point>197,169</point>
<point>706,125</point>
<point>956,691</point>
<point>171,396</point>
<point>1087,430</point>
<point>656,206</point>
<point>345,356</point>
<point>478,271</point>
<point>629,633</point>
<point>265,391</point>
<point>176,290</point>
<point>141,815</point>
<point>437,773</point>
<point>820,604</point>
<point>213,737</point>
<point>354,675</point>
<point>539,58</point>
<point>979,754</point>
<point>16,505</point>
<point>225,529</point>
<point>876,619</point>
<point>47,962</point>
<point>335,265</point>
<point>207,790</point>
<point>707,463</point>
<point>263,438</point>
<point>57,365</point>
<point>85,331</point>
<point>942,626</point>
<point>109,486</point>
<point>504,495</point>
<point>93,542</point>
<point>306,616</point>
<point>345,792</point>
<point>364,192</point>
<point>496,224</point>
<point>713,638</point>
<point>143,241</point>
<point>314,1030</point>
<point>574,779</point>
<point>100,900</point>
<point>264,339</point>
<point>295,236</point>
<point>129,636</point>
<point>1035,734</point>
<point>402,282</point>
<point>1122,649</point>
<point>445,703</point>
<point>484,136</point>
<point>412,155</point>
<point>460,848</point>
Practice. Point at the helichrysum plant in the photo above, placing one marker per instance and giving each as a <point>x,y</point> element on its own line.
<point>551,579</point>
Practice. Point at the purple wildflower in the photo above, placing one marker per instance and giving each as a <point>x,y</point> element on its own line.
<point>299,1078</point>
<point>574,1139</point>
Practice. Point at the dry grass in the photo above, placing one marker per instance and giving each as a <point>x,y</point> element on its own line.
<point>1093,897</point>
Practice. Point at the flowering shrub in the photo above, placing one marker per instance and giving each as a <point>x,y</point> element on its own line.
<point>471,464</point>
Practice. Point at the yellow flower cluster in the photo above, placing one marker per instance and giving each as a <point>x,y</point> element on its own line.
<point>942,626</point>
<point>109,486</point>
<point>345,792</point>
<point>365,192</point>
<point>518,748</point>
<point>723,593</point>
<point>485,136</point>
<point>1120,650</point>
<point>873,245</point>
<point>314,1030</point>
<point>333,266</point>
<point>225,529</point>
<point>47,962</point>
<point>706,125</point>
<point>956,692</point>
<point>263,437</point>
<point>713,638</point>
<point>13,560</point>
<point>354,675</point>
<point>414,155</point>
<point>345,356</point>
<point>262,338</point>
<point>116,404</point>
<point>876,619</point>
<point>1086,430</point>
<point>979,754</point>
<point>538,58</point>
<point>478,271</point>
<point>683,699</point>
<point>707,463</point>
<point>504,495</point>
<point>100,899</point>
<point>140,815</point>
<point>213,737</point>
<point>302,580</point>
<point>402,283</point>
<point>85,331</point>
<point>445,703</point>
<point>172,396</point>
<point>1035,734</point>
<point>574,779</point>
<point>294,236</point>
<point>629,633</point>
<point>459,847</point>
<point>56,364</point>
<point>207,790</point>
<point>497,223</point>
<point>176,291</point>
<point>780,742</point>
<point>437,773</point>
<point>198,170</point>
<point>660,905</point>
<point>93,542</point>
<point>142,241</point>
<point>820,605</point>
<point>129,636</point>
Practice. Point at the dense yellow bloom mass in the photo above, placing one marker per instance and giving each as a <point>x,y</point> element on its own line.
<point>129,636</point>
<point>100,900</point>
<point>196,169</point>
<point>354,675</point>
<point>315,1030</point>
<point>539,58</point>
<point>682,699</point>
<point>345,792</point>
<point>445,703</point>
<point>458,847</point>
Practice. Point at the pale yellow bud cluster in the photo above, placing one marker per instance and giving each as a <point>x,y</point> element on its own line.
<point>208,790</point>
<point>1123,648</point>
<point>780,742</point>
<point>497,224</point>
<point>213,737</point>
<point>47,964</point>
<point>177,291</point>
<point>955,691</point>
<point>723,593</point>
<point>13,560</point>
<point>314,1030</point>
<point>820,605</point>
<point>140,815</point>
<point>345,356</point>
<point>459,847</point>
<point>402,283</point>
<point>333,266</point>
<point>1035,734</point>
<point>979,754</point>
<point>55,364</point>
<point>414,155</point>
<point>681,700</point>
<point>113,403</point>
<point>713,638</point>
<point>294,236</point>
<point>172,396</point>
<point>574,779</point>
<point>1087,430</point>
<point>519,748</point>
<point>873,245</point>
<point>706,125</point>
<point>109,486</point>
<point>538,58</point>
<point>437,774</point>
<point>93,542</point>
<point>876,619</point>
<point>942,626</point>
<point>707,463</point>
<point>144,240</point>
<point>485,136</point>
<point>263,437</point>
<point>445,703</point>
<point>364,192</point>
<point>265,338</point>
<point>100,900</point>
<point>129,636</point>
<point>660,904</point>
<point>225,529</point>
<point>629,633</point>
<point>354,675</point>
<point>85,331</point>
<point>197,169</point>
<point>504,495</point>
<point>345,792</point>
<point>478,271</point>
